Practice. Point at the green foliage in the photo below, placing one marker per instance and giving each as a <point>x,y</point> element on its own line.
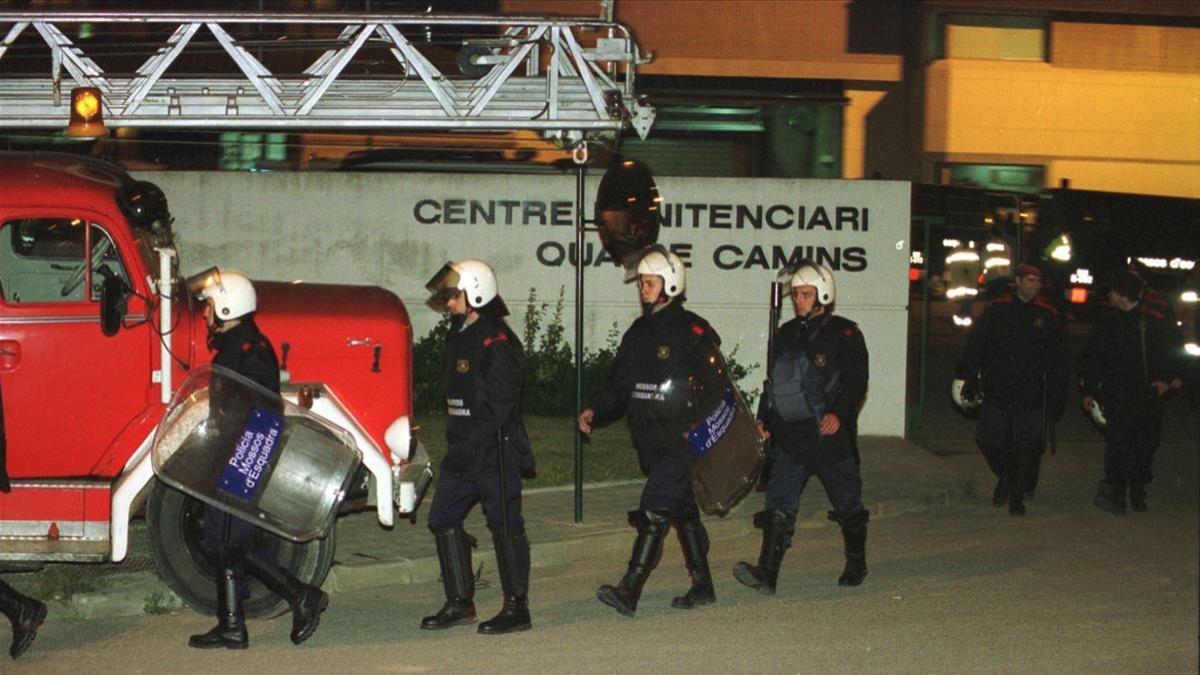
<point>161,602</point>
<point>549,363</point>
<point>428,353</point>
<point>62,581</point>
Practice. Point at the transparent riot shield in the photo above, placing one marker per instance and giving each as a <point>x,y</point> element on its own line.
<point>728,453</point>
<point>231,443</point>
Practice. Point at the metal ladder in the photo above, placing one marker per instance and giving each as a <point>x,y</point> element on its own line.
<point>569,78</point>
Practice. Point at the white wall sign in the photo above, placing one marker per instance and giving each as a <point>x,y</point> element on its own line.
<point>395,230</point>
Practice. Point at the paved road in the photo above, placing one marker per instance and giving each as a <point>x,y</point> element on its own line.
<point>954,587</point>
<point>958,588</point>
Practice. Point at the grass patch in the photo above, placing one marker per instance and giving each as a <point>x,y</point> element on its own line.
<point>61,581</point>
<point>161,602</point>
<point>610,455</point>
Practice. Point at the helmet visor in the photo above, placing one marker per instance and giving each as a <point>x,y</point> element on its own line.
<point>634,258</point>
<point>205,284</point>
<point>443,287</point>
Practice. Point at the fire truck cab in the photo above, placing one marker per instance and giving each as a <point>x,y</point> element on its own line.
<point>96,330</point>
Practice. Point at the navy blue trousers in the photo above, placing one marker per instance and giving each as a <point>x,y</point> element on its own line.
<point>456,496</point>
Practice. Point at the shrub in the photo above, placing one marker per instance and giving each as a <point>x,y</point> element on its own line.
<point>549,363</point>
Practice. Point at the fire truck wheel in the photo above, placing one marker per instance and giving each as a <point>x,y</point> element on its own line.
<point>175,522</point>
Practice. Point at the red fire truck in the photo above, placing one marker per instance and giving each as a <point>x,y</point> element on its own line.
<point>87,368</point>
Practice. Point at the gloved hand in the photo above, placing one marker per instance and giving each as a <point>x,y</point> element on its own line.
<point>1097,413</point>
<point>964,398</point>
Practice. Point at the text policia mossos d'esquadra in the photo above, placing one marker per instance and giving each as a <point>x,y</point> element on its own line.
<point>683,216</point>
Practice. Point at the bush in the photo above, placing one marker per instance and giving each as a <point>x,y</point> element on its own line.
<point>549,363</point>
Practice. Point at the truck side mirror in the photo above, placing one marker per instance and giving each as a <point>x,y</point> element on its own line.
<point>627,210</point>
<point>112,302</point>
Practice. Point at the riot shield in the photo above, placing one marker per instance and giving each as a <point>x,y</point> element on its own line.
<point>231,443</point>
<point>728,453</point>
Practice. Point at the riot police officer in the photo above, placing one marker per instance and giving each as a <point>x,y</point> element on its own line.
<point>1132,363</point>
<point>230,303</point>
<point>1015,357</point>
<point>818,378</point>
<point>488,449</point>
<point>662,347</point>
<point>24,613</point>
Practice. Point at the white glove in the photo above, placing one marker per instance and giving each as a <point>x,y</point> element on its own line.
<point>956,395</point>
<point>1098,414</point>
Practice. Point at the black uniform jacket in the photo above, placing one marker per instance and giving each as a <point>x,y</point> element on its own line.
<point>835,347</point>
<point>1017,350</point>
<point>247,352</point>
<point>1117,365</point>
<point>665,345</point>
<point>482,378</point>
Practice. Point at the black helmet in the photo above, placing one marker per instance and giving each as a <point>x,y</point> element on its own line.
<point>144,204</point>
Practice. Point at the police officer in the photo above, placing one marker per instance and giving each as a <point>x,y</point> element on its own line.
<point>488,449</point>
<point>1015,356</point>
<point>662,346</point>
<point>818,378</point>
<point>230,303</point>
<point>1132,363</point>
<point>24,613</point>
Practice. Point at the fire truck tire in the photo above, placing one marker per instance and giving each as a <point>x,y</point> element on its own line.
<point>175,523</point>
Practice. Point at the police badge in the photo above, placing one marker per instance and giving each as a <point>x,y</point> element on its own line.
<point>664,352</point>
<point>819,360</point>
<point>463,365</point>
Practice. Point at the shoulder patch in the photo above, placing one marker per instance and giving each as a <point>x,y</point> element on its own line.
<point>699,329</point>
<point>1045,304</point>
<point>499,337</point>
<point>1000,300</point>
<point>1152,311</point>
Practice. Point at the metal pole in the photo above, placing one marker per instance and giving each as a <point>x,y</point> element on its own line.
<point>925,308</point>
<point>579,175</point>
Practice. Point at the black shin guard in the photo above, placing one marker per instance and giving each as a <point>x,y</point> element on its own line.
<point>647,550</point>
<point>512,564</point>
<point>454,557</point>
<point>694,542</point>
<point>776,525</point>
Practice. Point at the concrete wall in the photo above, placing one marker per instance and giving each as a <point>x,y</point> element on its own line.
<point>396,230</point>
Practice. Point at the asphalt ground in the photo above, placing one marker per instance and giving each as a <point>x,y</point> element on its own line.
<point>898,478</point>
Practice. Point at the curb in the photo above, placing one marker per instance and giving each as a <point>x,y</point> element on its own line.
<point>144,593</point>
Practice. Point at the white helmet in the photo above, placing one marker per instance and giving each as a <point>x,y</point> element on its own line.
<point>231,292</point>
<point>667,265</point>
<point>818,276</point>
<point>473,277</point>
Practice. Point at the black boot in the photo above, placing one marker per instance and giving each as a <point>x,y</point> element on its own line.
<point>454,556</point>
<point>647,549</point>
<point>694,541</point>
<point>1000,494</point>
<point>1031,477</point>
<point>230,631</point>
<point>512,562</point>
<point>1137,497</point>
<point>25,614</point>
<point>1016,492</point>
<point>1110,498</point>
<point>854,534</point>
<point>776,526</point>
<point>307,602</point>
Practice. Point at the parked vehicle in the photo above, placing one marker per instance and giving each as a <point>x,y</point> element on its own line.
<point>96,331</point>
